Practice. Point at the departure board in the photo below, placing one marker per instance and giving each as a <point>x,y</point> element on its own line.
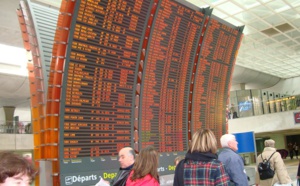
<point>99,77</point>
<point>165,87</point>
<point>213,76</point>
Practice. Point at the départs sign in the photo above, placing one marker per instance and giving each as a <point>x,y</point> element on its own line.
<point>79,179</point>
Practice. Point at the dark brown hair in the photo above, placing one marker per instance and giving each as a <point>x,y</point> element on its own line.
<point>146,163</point>
<point>12,164</point>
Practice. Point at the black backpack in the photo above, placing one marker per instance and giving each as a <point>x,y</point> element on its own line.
<point>264,169</point>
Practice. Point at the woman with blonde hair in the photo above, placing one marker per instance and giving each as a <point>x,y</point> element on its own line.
<point>144,171</point>
<point>200,166</point>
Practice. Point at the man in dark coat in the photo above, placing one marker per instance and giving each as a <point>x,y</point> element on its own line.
<point>126,159</point>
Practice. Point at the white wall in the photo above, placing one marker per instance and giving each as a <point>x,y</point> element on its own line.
<point>263,123</point>
<point>16,141</point>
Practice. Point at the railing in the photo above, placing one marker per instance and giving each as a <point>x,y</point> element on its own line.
<point>246,103</point>
<point>21,127</point>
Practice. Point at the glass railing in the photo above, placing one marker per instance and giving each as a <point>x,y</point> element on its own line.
<point>245,103</point>
<point>21,127</point>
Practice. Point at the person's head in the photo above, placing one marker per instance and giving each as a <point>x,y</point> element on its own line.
<point>269,143</point>
<point>178,159</point>
<point>203,140</point>
<point>146,163</point>
<point>15,170</point>
<point>228,140</point>
<point>126,157</point>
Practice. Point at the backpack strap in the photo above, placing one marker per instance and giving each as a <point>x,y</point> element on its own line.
<point>271,156</point>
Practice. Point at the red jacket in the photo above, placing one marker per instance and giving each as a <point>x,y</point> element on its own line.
<point>148,180</point>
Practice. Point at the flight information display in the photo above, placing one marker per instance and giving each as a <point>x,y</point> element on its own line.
<point>100,76</point>
<point>213,76</point>
<point>136,73</point>
<point>166,80</point>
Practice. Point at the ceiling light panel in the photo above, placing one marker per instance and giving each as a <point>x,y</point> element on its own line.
<point>278,6</point>
<point>280,37</point>
<point>290,14</point>
<point>245,16</point>
<point>289,43</point>
<point>247,3</point>
<point>293,34</point>
<point>293,3</point>
<point>274,20</point>
<point>249,30</point>
<point>219,13</point>
<point>296,23</point>
<point>233,21</point>
<point>259,25</point>
<point>261,11</point>
<point>230,8</point>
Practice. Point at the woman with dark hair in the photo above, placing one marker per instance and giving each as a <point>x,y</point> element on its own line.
<point>200,166</point>
<point>144,171</point>
<point>15,170</point>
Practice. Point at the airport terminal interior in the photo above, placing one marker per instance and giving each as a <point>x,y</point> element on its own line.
<point>229,65</point>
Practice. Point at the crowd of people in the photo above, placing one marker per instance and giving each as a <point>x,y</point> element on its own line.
<point>203,164</point>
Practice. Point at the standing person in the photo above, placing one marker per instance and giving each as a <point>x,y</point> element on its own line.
<point>15,170</point>
<point>291,150</point>
<point>234,163</point>
<point>126,160</point>
<point>200,166</point>
<point>277,164</point>
<point>144,171</point>
<point>296,149</point>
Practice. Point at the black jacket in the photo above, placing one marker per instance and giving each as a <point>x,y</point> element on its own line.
<point>121,178</point>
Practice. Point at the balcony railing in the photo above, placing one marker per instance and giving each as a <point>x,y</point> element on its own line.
<point>21,127</point>
<point>246,103</point>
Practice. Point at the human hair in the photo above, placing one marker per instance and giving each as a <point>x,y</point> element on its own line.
<point>146,163</point>
<point>203,140</point>
<point>226,138</point>
<point>12,164</point>
<point>131,152</point>
<point>269,143</point>
<point>178,159</point>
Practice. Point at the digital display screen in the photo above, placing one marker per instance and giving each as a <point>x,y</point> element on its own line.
<point>165,91</point>
<point>213,76</point>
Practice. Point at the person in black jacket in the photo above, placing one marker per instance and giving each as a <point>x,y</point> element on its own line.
<point>126,160</point>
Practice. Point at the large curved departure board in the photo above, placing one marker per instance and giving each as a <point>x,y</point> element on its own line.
<point>166,79</point>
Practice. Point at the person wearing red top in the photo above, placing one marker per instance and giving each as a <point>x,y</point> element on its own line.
<point>144,171</point>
